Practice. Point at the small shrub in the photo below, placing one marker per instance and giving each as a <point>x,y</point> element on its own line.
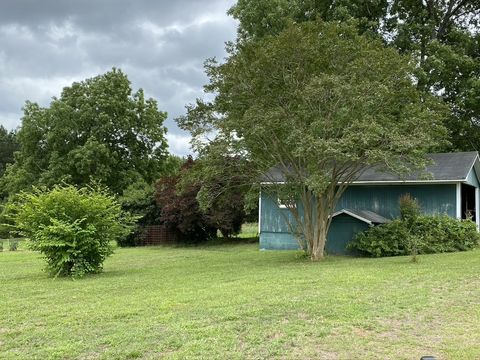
<point>409,208</point>
<point>409,213</point>
<point>432,234</point>
<point>73,228</point>
<point>442,233</point>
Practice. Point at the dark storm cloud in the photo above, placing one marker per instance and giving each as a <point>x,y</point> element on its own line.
<point>161,45</point>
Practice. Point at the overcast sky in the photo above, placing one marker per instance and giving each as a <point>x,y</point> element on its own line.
<point>160,44</point>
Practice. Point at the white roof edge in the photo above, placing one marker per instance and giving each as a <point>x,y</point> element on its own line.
<point>362,182</point>
<point>344,211</point>
<point>477,159</point>
<point>449,181</point>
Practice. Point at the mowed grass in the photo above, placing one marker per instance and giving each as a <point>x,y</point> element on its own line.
<point>236,302</point>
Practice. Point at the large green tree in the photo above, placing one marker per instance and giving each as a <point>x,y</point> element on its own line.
<point>442,35</point>
<point>318,103</point>
<point>97,130</point>
<point>259,18</point>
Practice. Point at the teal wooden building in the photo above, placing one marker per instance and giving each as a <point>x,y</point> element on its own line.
<point>452,189</point>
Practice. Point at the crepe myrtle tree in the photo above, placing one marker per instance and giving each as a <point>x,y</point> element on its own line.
<point>318,102</point>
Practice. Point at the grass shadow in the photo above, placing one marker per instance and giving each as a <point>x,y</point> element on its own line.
<point>205,244</point>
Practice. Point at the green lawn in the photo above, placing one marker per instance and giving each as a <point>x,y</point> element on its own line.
<point>235,302</point>
<point>249,230</point>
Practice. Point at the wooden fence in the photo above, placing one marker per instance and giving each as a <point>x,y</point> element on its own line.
<point>158,235</point>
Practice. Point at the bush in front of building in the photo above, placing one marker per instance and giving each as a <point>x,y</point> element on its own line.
<point>409,208</point>
<point>382,240</point>
<point>432,234</point>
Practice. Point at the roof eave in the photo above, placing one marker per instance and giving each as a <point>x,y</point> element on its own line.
<point>476,165</point>
<point>384,182</point>
<point>343,211</point>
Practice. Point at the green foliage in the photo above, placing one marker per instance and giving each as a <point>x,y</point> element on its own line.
<point>179,207</point>
<point>97,130</point>
<point>441,35</point>
<point>8,146</point>
<point>409,212</point>
<point>138,199</point>
<point>172,166</point>
<point>260,18</point>
<point>382,240</point>
<point>301,98</point>
<point>223,185</point>
<point>443,234</point>
<point>428,235</point>
<point>202,198</point>
<point>409,208</point>
<point>251,205</point>
<point>5,224</point>
<point>318,102</point>
<point>73,228</point>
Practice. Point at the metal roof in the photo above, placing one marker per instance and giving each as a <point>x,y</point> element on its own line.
<point>445,167</point>
<point>367,216</point>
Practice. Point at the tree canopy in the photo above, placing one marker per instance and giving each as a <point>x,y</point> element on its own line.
<point>179,210</point>
<point>318,101</point>
<point>97,130</point>
<point>222,190</point>
<point>196,202</point>
<point>442,35</point>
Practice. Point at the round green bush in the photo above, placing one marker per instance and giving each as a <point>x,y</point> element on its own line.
<point>432,234</point>
<point>73,228</point>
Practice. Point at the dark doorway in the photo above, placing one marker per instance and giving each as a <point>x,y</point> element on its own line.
<point>468,202</point>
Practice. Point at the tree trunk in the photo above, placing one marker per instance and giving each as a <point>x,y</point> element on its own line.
<point>319,241</point>
<point>316,223</point>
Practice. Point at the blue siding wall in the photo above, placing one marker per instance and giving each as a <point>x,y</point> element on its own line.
<point>382,199</point>
<point>272,218</point>
<point>278,241</point>
<point>342,230</point>
<point>472,178</point>
<point>274,231</point>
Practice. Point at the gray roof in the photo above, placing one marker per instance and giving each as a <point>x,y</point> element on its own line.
<point>445,167</point>
<point>367,216</point>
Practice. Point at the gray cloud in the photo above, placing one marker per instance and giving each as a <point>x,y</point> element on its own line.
<point>161,45</point>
